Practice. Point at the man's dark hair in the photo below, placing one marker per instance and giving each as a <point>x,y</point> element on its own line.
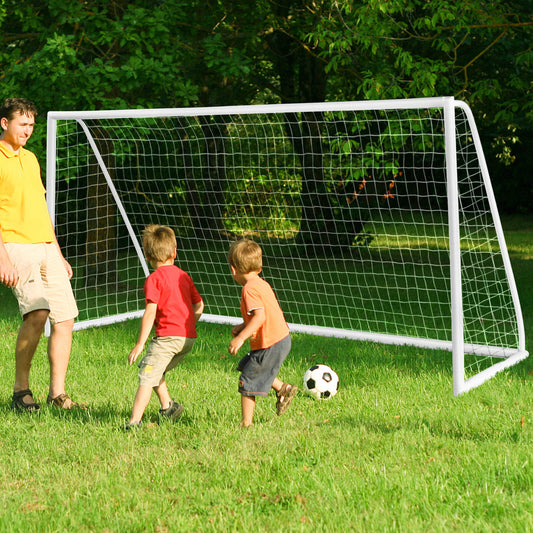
<point>12,106</point>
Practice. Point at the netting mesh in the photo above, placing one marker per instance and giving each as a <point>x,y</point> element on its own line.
<point>350,208</point>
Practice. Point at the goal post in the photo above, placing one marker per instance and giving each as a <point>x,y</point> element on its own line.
<point>377,219</point>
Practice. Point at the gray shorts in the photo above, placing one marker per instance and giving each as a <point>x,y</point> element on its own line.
<point>163,354</point>
<point>260,367</point>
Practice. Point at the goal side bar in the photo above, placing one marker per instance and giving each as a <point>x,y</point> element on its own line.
<point>460,385</point>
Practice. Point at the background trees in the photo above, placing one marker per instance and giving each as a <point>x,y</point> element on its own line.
<point>168,53</point>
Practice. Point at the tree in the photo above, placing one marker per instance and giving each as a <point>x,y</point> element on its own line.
<point>97,54</point>
<point>119,54</point>
<point>92,55</point>
<point>477,51</point>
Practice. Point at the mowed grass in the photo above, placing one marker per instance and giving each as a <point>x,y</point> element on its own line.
<point>393,451</point>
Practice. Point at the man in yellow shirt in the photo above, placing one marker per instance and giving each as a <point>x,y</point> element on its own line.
<point>31,262</point>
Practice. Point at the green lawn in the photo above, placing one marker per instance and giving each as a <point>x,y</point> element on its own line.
<point>393,451</point>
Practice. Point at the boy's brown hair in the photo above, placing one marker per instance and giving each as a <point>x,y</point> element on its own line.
<point>159,242</point>
<point>245,256</point>
<point>12,106</point>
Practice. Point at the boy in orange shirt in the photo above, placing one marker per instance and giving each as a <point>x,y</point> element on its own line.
<point>265,326</point>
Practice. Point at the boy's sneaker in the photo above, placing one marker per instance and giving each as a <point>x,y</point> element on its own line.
<point>173,412</point>
<point>132,426</point>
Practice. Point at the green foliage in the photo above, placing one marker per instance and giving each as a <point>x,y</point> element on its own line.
<point>476,51</point>
<point>173,53</point>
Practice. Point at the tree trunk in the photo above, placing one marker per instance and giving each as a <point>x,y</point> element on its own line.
<point>303,79</point>
<point>206,193</point>
<point>101,245</point>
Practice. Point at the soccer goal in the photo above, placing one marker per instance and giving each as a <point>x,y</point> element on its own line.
<point>377,219</point>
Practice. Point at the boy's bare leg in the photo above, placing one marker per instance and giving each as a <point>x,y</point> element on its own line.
<point>59,346</point>
<point>28,338</point>
<point>247,407</point>
<point>277,384</point>
<point>163,394</point>
<point>142,398</point>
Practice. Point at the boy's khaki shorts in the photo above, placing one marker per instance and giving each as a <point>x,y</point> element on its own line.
<point>43,281</point>
<point>163,354</point>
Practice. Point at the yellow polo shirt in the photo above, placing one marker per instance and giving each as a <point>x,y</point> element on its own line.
<point>24,215</point>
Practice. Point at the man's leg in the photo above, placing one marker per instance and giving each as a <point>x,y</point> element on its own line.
<point>59,346</point>
<point>28,338</point>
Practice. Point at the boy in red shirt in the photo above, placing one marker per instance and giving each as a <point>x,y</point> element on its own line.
<point>265,326</point>
<point>175,306</point>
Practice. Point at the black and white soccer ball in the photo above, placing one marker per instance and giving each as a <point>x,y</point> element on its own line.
<point>321,382</point>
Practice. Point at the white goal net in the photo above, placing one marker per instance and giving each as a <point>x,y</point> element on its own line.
<point>377,219</point>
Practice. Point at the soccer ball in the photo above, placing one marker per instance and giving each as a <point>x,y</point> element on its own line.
<point>321,382</point>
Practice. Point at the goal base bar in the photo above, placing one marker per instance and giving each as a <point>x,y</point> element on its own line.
<point>431,344</point>
<point>473,382</point>
<point>96,322</point>
<point>509,356</point>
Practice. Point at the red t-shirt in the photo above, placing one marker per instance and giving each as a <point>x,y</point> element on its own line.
<point>258,294</point>
<point>173,290</point>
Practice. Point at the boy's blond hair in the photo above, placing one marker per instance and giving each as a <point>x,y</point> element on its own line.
<point>245,256</point>
<point>159,242</point>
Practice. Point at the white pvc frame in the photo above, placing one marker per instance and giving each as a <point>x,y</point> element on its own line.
<point>448,104</point>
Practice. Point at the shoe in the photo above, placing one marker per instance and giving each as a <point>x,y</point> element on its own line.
<point>18,404</point>
<point>133,426</point>
<point>64,401</point>
<point>173,411</point>
<point>285,396</point>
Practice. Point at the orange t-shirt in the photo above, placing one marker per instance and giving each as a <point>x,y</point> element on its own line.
<point>258,294</point>
<point>24,215</point>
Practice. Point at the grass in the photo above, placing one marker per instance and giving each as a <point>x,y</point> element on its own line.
<point>393,451</point>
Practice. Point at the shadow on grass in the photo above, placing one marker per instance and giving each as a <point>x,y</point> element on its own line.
<point>106,413</point>
<point>454,430</point>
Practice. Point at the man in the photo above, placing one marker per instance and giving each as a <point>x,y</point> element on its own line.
<point>31,262</point>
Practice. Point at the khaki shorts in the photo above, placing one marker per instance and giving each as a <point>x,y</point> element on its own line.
<point>163,354</point>
<point>43,281</point>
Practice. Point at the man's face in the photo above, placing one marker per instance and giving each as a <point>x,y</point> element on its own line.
<point>18,130</point>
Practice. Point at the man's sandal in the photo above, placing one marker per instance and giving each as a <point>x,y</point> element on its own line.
<point>64,402</point>
<point>18,403</point>
<point>285,396</point>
